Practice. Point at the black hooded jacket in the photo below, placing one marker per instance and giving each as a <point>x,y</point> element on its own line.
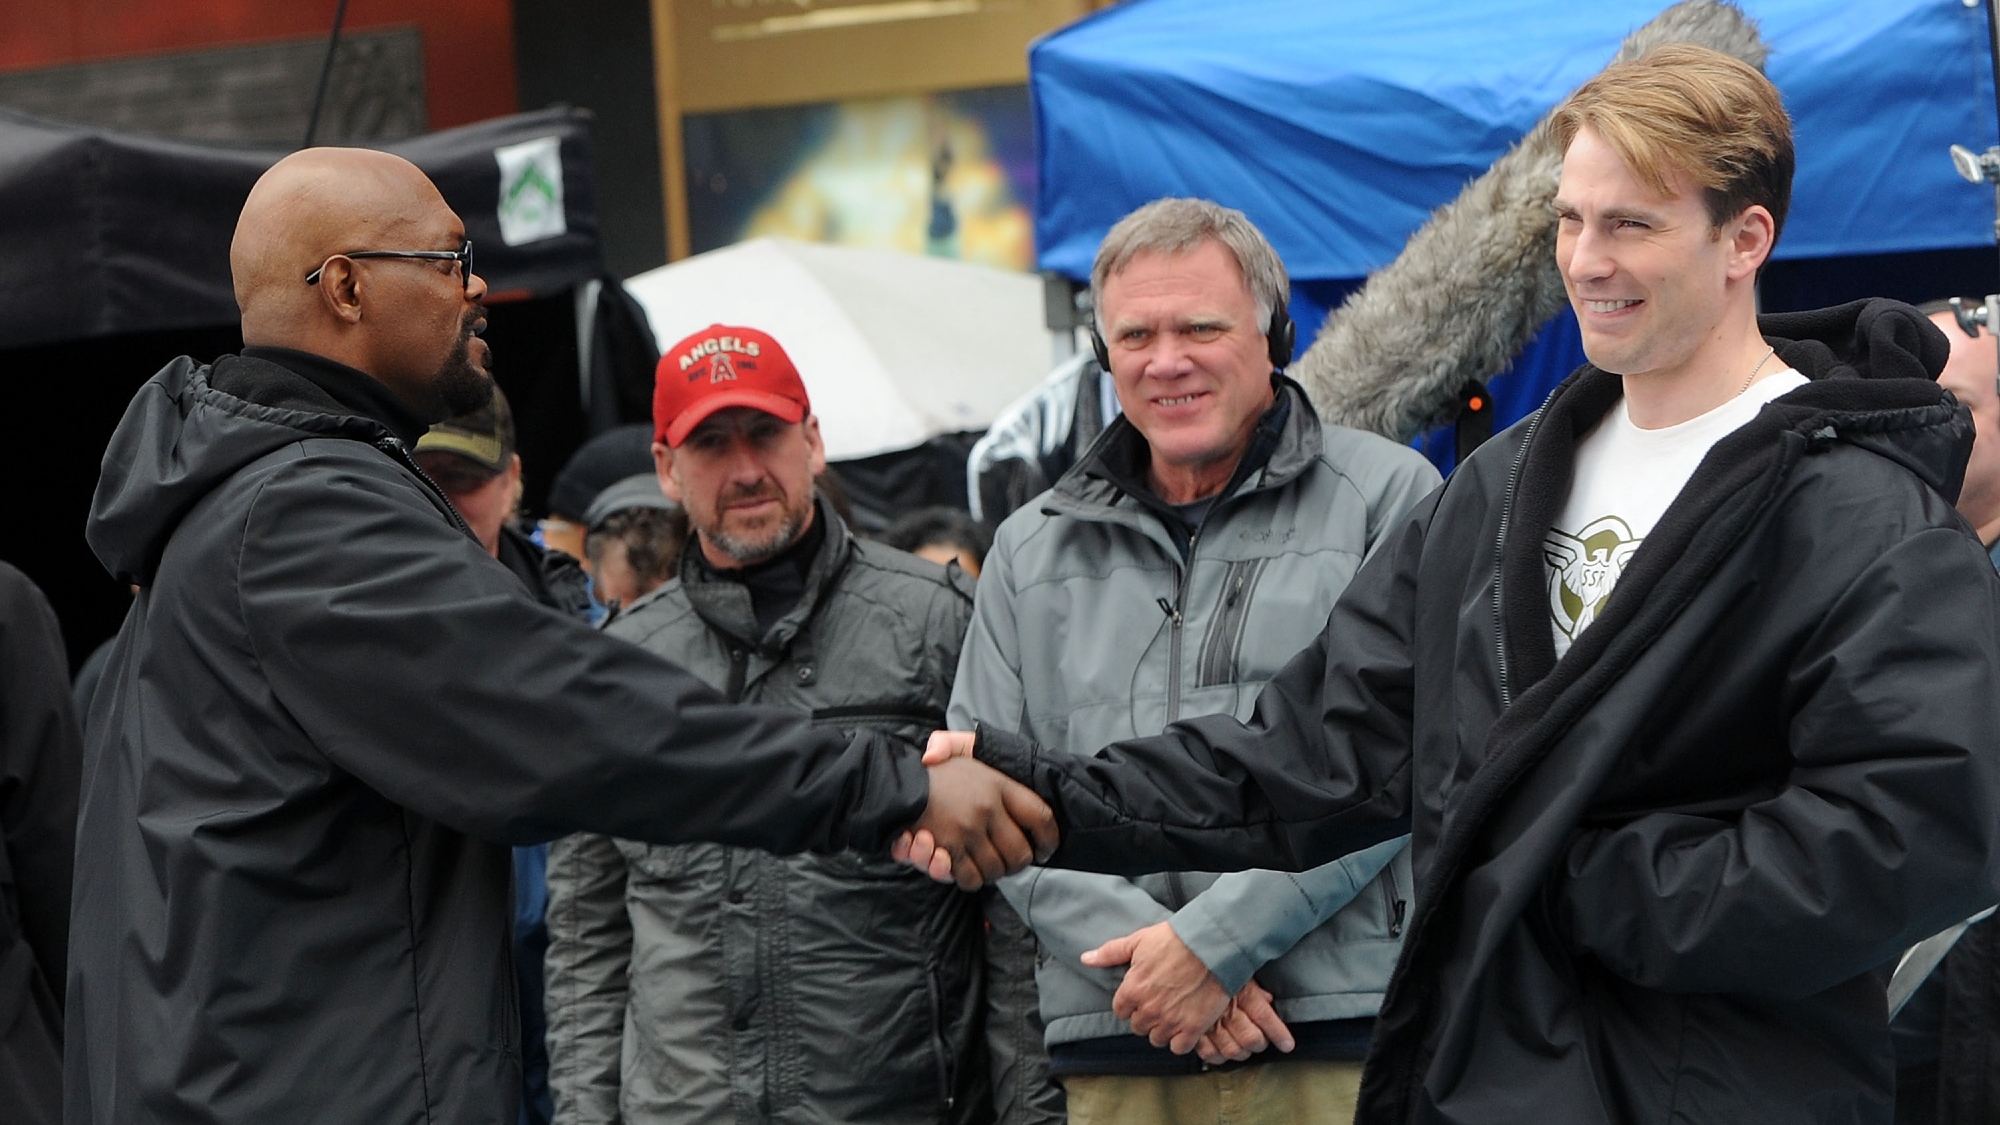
<point>39,755</point>
<point>327,714</point>
<point>1657,878</point>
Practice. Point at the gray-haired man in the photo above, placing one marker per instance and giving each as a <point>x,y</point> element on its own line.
<point>1191,551</point>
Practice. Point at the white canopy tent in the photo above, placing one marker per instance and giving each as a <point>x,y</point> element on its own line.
<point>895,349</point>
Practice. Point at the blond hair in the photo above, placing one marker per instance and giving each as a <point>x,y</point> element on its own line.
<point>1685,108</point>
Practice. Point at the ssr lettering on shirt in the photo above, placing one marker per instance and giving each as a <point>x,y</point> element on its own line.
<point>1625,480</point>
<point>719,347</point>
<point>1584,567</point>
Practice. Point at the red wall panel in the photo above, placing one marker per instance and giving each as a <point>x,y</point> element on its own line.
<point>468,44</point>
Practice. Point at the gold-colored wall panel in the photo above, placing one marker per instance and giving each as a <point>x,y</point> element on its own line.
<point>738,54</point>
<point>716,55</point>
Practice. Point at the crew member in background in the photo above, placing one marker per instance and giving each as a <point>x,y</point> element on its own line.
<point>702,983</point>
<point>1949,1029</point>
<point>1196,546</point>
<point>1970,375</point>
<point>942,535</point>
<point>472,459</point>
<point>634,539</point>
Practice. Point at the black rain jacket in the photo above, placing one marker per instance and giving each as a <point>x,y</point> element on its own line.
<point>1657,879</point>
<point>39,756</point>
<point>328,713</point>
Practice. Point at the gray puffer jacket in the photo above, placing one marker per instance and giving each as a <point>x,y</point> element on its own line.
<point>1093,626</point>
<point>703,983</point>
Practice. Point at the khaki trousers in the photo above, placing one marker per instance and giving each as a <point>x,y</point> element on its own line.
<point>1274,1093</point>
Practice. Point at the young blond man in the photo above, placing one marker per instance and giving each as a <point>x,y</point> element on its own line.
<point>1650,680</point>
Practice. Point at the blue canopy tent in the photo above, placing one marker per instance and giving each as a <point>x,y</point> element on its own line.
<point>1339,125</point>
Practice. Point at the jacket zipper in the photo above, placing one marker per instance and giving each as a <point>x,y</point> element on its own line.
<point>940,1052</point>
<point>394,447</point>
<point>863,715</point>
<point>1177,616</point>
<point>1500,557</point>
<point>1392,898</point>
<point>1216,663</point>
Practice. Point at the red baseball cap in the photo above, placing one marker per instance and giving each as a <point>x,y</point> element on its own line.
<point>720,367</point>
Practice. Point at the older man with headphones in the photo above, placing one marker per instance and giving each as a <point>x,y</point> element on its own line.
<point>1197,545</point>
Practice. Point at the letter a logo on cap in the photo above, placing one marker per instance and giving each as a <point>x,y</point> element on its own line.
<point>745,367</point>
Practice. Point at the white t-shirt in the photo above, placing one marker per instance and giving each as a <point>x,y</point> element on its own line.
<point>1625,479</point>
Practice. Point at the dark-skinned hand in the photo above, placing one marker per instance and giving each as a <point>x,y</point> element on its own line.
<point>980,824</point>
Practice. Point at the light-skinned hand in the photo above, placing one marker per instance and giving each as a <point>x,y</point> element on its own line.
<point>1168,994</point>
<point>1250,1025</point>
<point>948,744</point>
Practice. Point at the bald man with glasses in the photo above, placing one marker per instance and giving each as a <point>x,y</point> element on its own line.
<point>331,710</point>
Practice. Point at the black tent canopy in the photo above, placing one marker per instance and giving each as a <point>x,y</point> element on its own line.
<point>114,259</point>
<point>110,233</point>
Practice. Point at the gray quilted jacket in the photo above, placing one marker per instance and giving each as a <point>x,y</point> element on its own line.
<point>1093,627</point>
<point>703,983</point>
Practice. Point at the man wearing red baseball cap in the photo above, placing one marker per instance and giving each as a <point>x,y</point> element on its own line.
<point>736,443</point>
<point>686,981</point>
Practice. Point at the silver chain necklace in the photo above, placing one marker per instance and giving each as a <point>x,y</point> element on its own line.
<point>1768,353</point>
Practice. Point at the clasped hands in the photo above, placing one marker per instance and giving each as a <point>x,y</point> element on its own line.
<point>980,824</point>
<point>1170,997</point>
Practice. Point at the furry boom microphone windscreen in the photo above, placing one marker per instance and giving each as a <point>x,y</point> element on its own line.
<point>1477,280</point>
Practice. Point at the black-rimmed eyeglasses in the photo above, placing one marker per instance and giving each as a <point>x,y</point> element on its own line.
<point>462,255</point>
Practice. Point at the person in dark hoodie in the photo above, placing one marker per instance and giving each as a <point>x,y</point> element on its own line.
<point>1653,680</point>
<point>330,710</point>
<point>39,756</point>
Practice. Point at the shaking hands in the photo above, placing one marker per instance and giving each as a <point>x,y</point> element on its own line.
<point>980,823</point>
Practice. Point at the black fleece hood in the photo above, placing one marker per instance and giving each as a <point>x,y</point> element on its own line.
<point>183,435</point>
<point>1874,366</point>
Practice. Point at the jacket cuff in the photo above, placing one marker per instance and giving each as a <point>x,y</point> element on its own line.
<point>1208,938</point>
<point>1007,752</point>
<point>895,796</point>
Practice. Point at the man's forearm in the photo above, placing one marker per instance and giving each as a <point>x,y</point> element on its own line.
<point>1248,919</point>
<point>1195,799</point>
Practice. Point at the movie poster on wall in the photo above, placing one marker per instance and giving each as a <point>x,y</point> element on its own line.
<point>950,174</point>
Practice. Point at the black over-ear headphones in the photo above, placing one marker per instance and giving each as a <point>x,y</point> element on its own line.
<point>1280,336</point>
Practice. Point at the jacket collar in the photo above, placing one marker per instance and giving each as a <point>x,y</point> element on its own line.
<point>345,389</point>
<point>190,429</point>
<point>1872,369</point>
<point>1108,484</point>
<point>725,605</point>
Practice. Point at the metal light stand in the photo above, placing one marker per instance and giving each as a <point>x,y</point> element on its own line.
<point>1926,955</point>
<point>1983,168</point>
